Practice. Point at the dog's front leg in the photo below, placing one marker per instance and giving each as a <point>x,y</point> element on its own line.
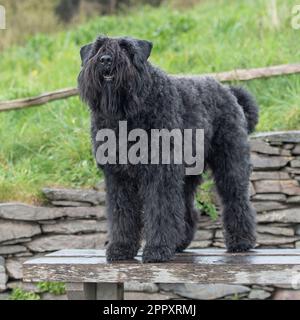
<point>124,214</point>
<point>163,214</point>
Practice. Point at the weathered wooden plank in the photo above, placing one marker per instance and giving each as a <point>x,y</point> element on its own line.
<point>267,266</point>
<point>184,259</point>
<point>196,252</point>
<point>189,261</point>
<point>259,252</point>
<point>271,274</point>
<point>77,253</point>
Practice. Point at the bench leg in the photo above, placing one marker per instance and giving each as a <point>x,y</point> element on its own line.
<point>81,291</point>
<point>95,291</point>
<point>110,291</point>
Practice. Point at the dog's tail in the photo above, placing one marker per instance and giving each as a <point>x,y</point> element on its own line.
<point>249,105</point>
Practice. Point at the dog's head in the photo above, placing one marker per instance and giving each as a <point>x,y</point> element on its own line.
<point>114,74</point>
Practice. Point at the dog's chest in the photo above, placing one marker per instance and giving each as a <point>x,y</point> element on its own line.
<point>128,145</point>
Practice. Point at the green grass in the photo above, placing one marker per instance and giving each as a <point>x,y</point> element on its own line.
<point>205,201</point>
<point>20,294</point>
<point>55,288</point>
<point>50,145</point>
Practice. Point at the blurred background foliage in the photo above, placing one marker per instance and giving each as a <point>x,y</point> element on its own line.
<point>39,52</point>
<point>28,17</point>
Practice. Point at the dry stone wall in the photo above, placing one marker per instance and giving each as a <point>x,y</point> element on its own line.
<point>76,219</point>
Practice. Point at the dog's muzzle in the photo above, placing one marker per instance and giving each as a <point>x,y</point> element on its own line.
<point>106,62</point>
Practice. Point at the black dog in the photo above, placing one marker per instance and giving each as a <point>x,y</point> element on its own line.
<point>118,83</point>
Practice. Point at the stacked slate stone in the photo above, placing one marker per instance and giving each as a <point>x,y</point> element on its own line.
<point>76,219</point>
<point>275,190</point>
<point>72,219</point>
<point>276,180</point>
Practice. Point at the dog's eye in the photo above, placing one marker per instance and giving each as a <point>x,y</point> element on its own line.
<point>123,48</point>
<point>123,45</point>
<point>127,50</point>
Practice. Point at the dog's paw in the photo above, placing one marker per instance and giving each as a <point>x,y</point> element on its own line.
<point>182,246</point>
<point>240,245</point>
<point>120,251</point>
<point>157,254</point>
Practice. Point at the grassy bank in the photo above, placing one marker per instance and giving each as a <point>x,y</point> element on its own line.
<point>50,145</point>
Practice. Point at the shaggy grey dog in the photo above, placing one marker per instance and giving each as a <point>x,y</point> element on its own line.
<point>118,83</point>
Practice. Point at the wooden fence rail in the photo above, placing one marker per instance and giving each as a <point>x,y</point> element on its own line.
<point>39,100</point>
<point>234,75</point>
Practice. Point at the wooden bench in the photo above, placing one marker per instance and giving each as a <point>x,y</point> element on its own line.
<point>88,276</point>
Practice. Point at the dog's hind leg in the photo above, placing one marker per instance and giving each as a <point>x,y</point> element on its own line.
<point>124,214</point>
<point>230,162</point>
<point>191,213</point>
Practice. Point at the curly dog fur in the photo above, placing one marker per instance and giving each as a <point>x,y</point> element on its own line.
<point>157,201</point>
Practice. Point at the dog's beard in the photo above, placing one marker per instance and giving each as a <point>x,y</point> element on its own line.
<point>116,94</point>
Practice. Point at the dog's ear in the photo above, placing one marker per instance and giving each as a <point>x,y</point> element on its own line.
<point>85,52</point>
<point>144,48</point>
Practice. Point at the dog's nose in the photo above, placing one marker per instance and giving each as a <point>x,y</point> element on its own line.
<point>105,59</point>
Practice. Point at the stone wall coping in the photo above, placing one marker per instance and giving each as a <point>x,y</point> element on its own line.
<point>292,136</point>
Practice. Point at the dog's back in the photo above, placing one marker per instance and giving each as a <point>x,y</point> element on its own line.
<point>206,89</point>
